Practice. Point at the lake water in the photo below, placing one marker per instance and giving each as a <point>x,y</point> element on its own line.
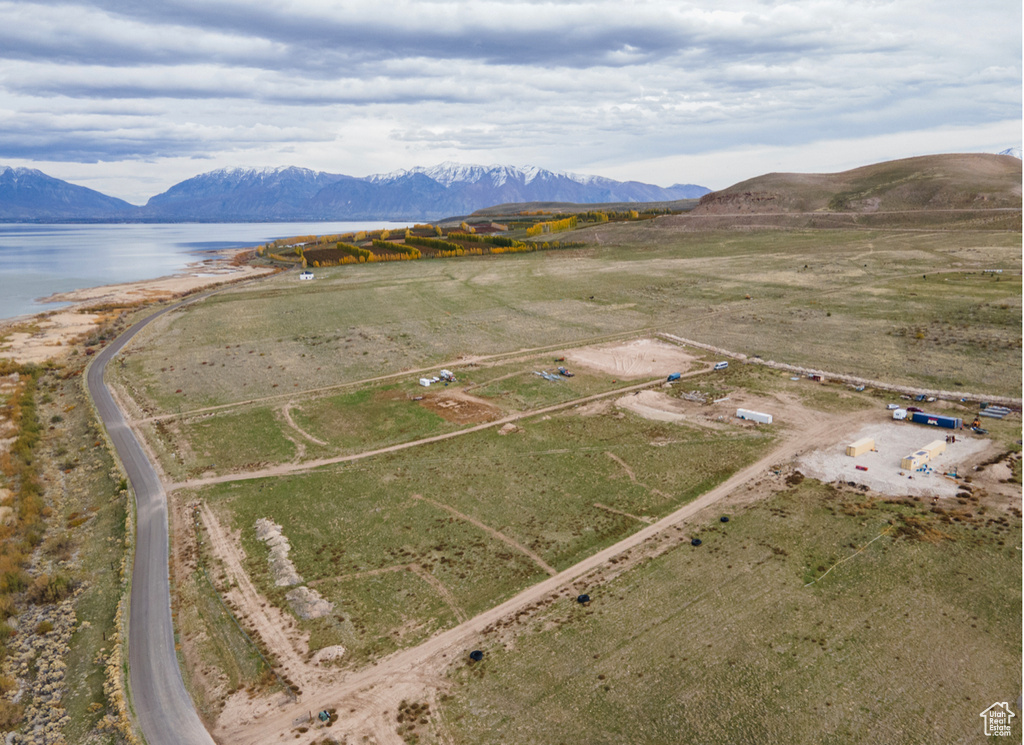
<point>39,260</point>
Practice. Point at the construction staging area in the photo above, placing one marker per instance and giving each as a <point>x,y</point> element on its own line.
<point>887,469</point>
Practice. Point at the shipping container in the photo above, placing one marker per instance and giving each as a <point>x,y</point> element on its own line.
<point>754,416</point>
<point>861,446</point>
<point>936,420</point>
<point>930,451</point>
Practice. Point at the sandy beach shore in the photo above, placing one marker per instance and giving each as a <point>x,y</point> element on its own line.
<point>51,334</point>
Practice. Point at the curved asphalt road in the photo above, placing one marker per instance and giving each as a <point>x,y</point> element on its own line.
<point>163,706</point>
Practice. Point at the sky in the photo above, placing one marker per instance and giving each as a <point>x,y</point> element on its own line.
<point>130,98</point>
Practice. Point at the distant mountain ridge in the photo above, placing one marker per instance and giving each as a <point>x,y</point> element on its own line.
<point>291,193</point>
<point>28,194</point>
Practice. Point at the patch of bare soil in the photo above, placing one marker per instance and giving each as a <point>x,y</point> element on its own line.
<point>459,407</point>
<point>328,654</point>
<point>639,358</point>
<point>594,408</point>
<point>992,475</point>
<point>653,405</point>
<point>53,336</point>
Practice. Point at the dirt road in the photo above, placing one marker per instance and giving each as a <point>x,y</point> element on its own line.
<point>287,468</point>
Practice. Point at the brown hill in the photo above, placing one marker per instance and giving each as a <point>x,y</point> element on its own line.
<point>931,182</point>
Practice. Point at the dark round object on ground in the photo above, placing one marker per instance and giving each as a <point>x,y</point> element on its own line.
<point>476,655</point>
<point>583,599</point>
<point>696,542</point>
<point>724,518</point>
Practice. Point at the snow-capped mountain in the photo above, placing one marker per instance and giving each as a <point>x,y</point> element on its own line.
<point>241,193</point>
<point>1014,151</point>
<point>290,193</point>
<point>450,174</point>
<point>28,194</point>
<point>416,193</point>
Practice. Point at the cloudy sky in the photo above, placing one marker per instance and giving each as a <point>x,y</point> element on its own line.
<point>132,97</point>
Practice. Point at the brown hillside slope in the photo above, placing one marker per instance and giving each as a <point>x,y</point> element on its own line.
<point>931,182</point>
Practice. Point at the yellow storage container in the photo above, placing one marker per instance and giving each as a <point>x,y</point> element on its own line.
<point>861,446</point>
<point>915,460</point>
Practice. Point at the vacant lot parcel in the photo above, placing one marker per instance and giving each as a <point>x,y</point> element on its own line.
<point>353,516</point>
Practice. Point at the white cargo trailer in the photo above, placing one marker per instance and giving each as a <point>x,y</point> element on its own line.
<point>754,416</point>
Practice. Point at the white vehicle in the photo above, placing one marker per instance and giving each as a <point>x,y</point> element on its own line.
<point>721,365</point>
<point>892,407</point>
<point>899,414</point>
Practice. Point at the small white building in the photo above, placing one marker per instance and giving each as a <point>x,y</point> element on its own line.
<point>306,275</point>
<point>899,414</point>
<point>425,382</point>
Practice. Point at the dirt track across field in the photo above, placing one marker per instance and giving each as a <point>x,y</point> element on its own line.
<point>287,468</point>
<point>366,696</point>
<point>493,533</point>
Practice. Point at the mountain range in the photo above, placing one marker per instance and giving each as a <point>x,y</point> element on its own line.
<point>294,194</point>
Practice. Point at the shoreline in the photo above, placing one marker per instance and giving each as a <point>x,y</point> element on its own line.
<point>52,334</point>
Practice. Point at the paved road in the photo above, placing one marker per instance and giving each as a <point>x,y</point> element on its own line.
<point>163,706</point>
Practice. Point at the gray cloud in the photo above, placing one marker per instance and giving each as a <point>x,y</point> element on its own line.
<point>111,80</point>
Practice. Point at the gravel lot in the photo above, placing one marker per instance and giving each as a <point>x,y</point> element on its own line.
<point>894,440</point>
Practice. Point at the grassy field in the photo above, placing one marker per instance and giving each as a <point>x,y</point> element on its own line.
<point>355,529</point>
<point>358,419</point>
<point>907,642</point>
<point>860,301</point>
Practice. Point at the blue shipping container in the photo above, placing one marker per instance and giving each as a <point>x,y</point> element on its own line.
<point>936,420</point>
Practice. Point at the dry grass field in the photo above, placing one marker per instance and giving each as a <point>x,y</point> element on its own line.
<point>906,642</point>
<point>910,306</point>
<point>246,397</point>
